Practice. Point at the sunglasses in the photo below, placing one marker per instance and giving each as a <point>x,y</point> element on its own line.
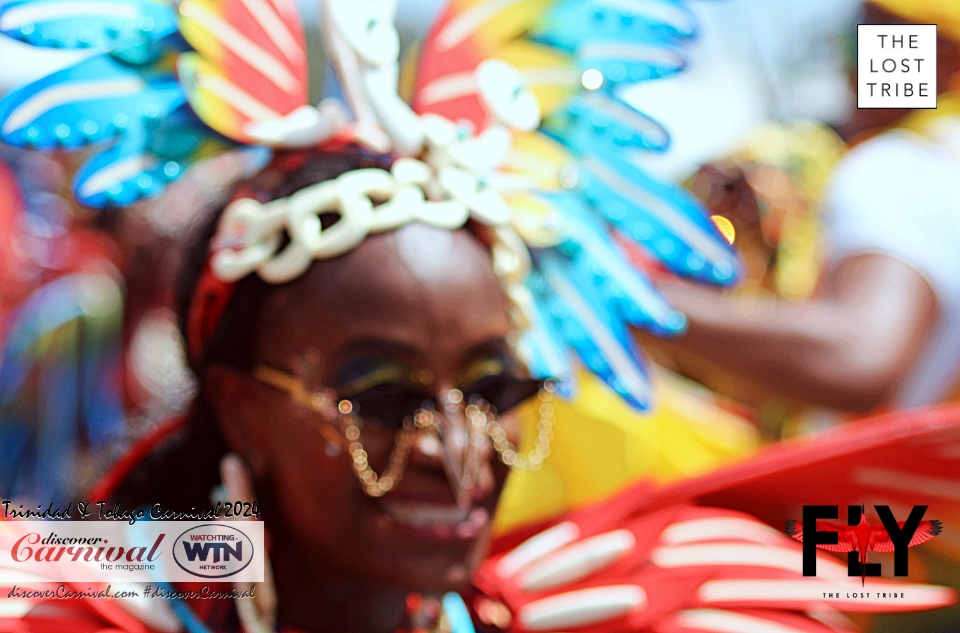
<point>408,411</point>
<point>388,405</point>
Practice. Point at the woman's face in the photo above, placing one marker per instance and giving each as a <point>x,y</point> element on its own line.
<point>415,312</point>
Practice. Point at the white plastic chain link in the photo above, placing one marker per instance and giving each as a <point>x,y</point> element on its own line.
<point>250,235</point>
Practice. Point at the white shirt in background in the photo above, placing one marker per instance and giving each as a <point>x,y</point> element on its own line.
<point>899,195</point>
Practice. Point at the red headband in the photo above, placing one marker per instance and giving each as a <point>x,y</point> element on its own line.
<point>210,299</point>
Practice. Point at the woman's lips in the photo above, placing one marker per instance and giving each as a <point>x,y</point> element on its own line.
<point>435,521</point>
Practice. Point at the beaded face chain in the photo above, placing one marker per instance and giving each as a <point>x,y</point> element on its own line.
<point>342,427</point>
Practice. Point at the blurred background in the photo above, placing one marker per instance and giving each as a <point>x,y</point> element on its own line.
<point>753,64</point>
<point>846,225</point>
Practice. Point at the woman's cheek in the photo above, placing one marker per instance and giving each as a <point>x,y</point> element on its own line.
<point>306,485</point>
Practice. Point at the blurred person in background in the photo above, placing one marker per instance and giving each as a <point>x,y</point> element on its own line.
<point>766,197</point>
<point>61,316</point>
<point>883,326</point>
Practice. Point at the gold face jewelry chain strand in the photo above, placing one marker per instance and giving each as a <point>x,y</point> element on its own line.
<point>373,484</point>
<point>509,455</point>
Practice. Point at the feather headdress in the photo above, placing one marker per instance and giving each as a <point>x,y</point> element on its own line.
<point>514,120</point>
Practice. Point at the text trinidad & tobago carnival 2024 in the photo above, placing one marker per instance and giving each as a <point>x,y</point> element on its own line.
<point>102,511</point>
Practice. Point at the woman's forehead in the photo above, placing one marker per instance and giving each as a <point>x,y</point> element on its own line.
<point>419,287</point>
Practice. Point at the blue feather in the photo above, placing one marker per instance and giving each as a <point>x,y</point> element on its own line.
<point>136,31</point>
<point>101,99</point>
<point>597,121</point>
<point>572,24</point>
<point>601,340</point>
<point>625,291</point>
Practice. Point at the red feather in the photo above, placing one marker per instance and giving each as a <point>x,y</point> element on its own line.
<point>877,541</point>
<point>844,542</point>
<point>926,531</point>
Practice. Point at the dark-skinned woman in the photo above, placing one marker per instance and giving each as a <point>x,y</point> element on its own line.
<point>364,315</point>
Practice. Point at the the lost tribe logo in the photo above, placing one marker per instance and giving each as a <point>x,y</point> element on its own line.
<point>858,538</point>
<point>213,551</point>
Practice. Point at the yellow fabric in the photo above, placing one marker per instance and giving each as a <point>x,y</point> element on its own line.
<point>922,121</point>
<point>944,13</point>
<point>601,445</point>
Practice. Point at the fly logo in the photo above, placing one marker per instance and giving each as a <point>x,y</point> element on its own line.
<point>213,551</point>
<point>858,537</point>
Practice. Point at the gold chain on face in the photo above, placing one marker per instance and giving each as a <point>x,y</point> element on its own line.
<point>373,484</point>
<point>482,421</point>
<point>509,455</point>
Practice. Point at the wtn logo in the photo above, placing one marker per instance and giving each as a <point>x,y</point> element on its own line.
<point>220,551</point>
<point>858,538</point>
<point>213,551</point>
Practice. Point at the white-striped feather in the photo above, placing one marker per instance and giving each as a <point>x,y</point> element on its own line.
<point>536,547</point>
<point>582,607</point>
<point>274,27</point>
<point>678,224</point>
<point>238,98</point>
<point>614,353</point>
<point>720,621</point>
<point>637,289</point>
<point>272,69</point>
<point>617,110</point>
<point>66,93</point>
<point>14,608</point>
<point>629,53</point>
<point>720,528</point>
<point>449,87</point>
<point>577,561</point>
<point>15,17</point>
<point>739,555</point>
<point>469,21</point>
<point>551,76</point>
<point>115,173</point>
<point>662,11</point>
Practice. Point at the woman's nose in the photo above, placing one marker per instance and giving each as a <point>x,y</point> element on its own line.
<point>455,440</point>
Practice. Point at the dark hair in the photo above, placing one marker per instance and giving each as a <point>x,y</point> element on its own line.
<point>185,468</point>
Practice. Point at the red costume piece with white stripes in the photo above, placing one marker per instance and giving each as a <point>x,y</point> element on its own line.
<point>651,560</point>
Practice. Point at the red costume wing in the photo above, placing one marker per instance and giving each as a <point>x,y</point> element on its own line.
<point>648,560</point>
<point>926,531</point>
<point>615,568</point>
<point>846,540</point>
<point>901,459</point>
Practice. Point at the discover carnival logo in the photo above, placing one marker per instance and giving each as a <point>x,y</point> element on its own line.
<point>55,548</point>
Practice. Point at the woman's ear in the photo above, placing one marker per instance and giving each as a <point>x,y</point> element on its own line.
<point>232,400</point>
